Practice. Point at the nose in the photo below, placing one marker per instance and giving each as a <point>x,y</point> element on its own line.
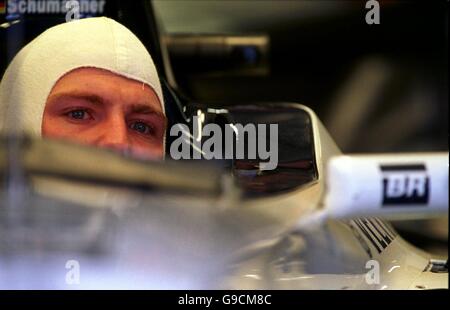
<point>114,134</point>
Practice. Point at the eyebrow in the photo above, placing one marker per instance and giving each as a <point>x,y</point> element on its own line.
<point>92,98</point>
<point>141,108</point>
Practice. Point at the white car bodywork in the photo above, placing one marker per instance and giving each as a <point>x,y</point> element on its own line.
<point>336,244</point>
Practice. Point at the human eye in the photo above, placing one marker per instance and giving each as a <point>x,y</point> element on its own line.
<point>141,127</point>
<point>79,114</point>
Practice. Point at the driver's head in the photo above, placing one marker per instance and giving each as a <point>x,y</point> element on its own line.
<point>89,81</point>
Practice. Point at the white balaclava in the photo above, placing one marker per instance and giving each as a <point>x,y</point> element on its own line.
<point>92,42</point>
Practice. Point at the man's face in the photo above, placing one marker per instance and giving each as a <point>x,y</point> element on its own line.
<point>100,108</point>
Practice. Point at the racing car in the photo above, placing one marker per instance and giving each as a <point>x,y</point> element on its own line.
<point>76,217</point>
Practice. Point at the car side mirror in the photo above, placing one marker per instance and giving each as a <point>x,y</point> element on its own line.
<point>271,148</point>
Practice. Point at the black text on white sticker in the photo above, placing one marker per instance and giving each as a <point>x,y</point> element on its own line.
<point>405,184</point>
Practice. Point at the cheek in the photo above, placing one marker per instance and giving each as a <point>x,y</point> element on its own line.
<point>58,128</point>
<point>147,150</point>
<point>50,127</point>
